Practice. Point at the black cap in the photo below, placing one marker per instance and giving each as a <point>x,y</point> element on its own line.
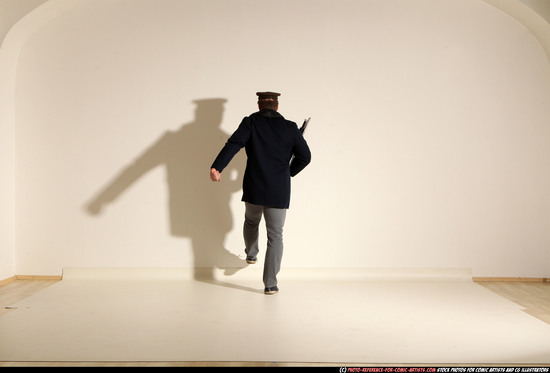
<point>267,95</point>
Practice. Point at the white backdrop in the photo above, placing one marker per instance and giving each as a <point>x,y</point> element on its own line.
<point>429,134</point>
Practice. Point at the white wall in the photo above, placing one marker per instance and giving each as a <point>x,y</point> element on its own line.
<point>13,33</point>
<point>11,11</point>
<point>429,134</point>
<point>7,179</point>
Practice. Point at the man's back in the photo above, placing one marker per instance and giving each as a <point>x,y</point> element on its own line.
<point>272,142</point>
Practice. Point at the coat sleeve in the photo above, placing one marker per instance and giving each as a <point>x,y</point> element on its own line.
<point>235,143</point>
<point>302,154</point>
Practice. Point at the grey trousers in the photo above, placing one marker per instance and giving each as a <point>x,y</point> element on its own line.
<point>274,222</point>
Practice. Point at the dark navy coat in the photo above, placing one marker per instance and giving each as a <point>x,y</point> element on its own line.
<point>269,140</point>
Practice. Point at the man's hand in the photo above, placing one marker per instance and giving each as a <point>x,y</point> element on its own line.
<point>215,175</point>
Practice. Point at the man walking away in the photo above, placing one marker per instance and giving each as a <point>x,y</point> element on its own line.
<point>270,141</point>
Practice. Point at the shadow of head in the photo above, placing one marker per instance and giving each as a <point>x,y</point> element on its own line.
<point>209,110</point>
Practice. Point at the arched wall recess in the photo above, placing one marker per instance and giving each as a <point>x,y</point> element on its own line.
<point>397,90</point>
<point>529,17</point>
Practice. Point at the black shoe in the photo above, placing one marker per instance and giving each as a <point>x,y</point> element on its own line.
<point>251,260</point>
<point>270,291</point>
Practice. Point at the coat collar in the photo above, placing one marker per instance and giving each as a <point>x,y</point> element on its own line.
<point>269,113</point>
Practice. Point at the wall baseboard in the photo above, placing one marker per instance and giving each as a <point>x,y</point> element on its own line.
<point>29,277</point>
<point>37,277</point>
<point>510,279</point>
<point>7,280</point>
<point>475,279</point>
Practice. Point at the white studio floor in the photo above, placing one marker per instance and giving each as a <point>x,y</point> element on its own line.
<point>319,316</point>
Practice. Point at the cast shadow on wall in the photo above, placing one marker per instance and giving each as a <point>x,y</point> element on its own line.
<point>198,208</point>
